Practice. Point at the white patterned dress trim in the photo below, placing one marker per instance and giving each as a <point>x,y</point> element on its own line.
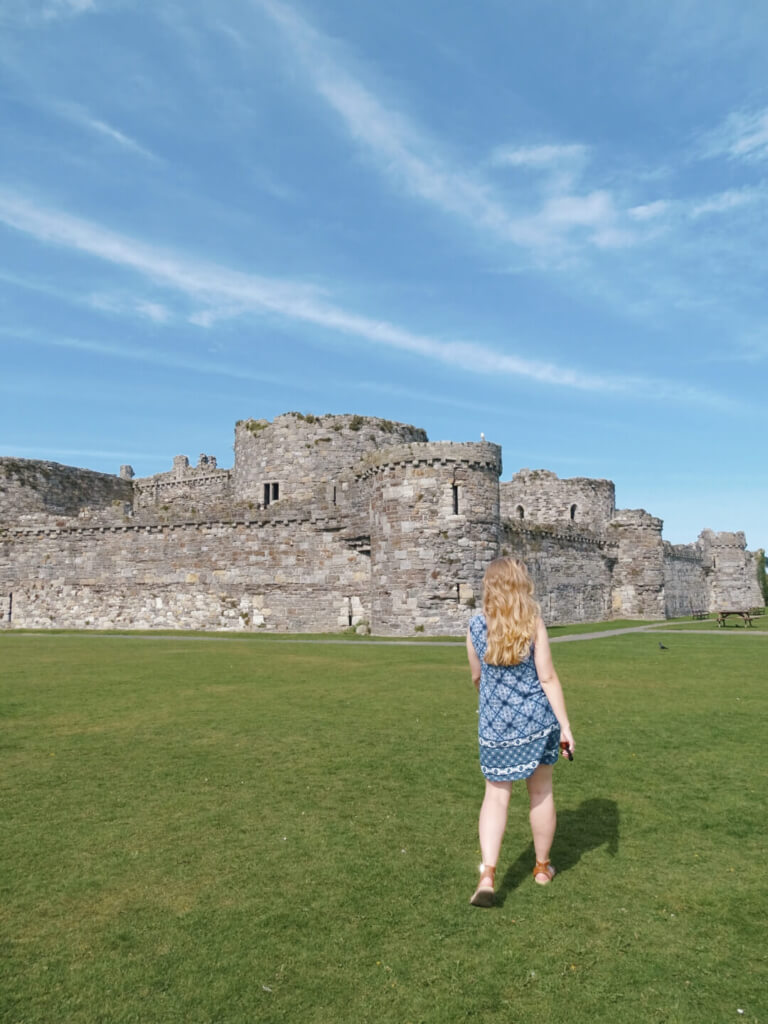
<point>509,770</point>
<point>519,742</point>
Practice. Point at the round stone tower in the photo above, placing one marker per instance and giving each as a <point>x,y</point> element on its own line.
<point>434,520</point>
<point>301,457</point>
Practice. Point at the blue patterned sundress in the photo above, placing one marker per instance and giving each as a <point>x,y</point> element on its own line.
<point>517,728</point>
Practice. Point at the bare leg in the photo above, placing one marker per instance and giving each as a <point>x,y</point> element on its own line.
<point>493,819</point>
<point>543,817</point>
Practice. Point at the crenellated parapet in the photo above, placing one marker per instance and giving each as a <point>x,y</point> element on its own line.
<point>183,489</point>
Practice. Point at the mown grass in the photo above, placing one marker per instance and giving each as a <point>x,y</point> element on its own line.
<point>218,832</point>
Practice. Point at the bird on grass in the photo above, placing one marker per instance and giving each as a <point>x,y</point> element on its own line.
<point>662,647</point>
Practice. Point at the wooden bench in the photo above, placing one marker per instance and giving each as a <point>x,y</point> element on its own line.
<point>722,616</point>
<point>700,615</point>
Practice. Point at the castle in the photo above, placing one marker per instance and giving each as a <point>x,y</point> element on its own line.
<point>331,522</point>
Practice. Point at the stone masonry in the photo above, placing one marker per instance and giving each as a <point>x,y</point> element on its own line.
<point>327,523</point>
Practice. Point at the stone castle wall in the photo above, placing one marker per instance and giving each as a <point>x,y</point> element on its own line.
<point>540,496</point>
<point>733,576</point>
<point>331,522</point>
<point>286,574</point>
<point>571,569</point>
<point>638,576</point>
<point>191,490</point>
<point>308,457</point>
<point>686,588</point>
<point>35,491</point>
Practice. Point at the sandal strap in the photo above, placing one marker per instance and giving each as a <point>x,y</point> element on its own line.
<point>542,868</point>
<point>488,871</point>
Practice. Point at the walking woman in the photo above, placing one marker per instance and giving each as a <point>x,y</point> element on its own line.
<point>522,718</point>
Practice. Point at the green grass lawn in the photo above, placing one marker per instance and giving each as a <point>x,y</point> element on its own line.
<point>249,832</point>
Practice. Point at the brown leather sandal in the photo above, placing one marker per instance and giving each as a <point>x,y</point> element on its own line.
<point>483,894</point>
<point>543,867</point>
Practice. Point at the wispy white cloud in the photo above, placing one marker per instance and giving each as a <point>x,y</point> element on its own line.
<point>546,156</point>
<point>53,9</point>
<point>412,159</point>
<point>723,202</point>
<point>742,136</point>
<point>80,116</point>
<point>650,211</point>
<point>223,288</point>
<point>121,305</point>
<point>45,452</point>
<point>143,354</point>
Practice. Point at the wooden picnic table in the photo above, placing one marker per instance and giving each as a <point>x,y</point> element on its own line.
<point>722,616</point>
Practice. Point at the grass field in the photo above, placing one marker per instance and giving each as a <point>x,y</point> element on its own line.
<point>208,831</point>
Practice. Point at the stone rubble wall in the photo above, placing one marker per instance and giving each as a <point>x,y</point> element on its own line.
<point>36,491</point>
<point>273,574</point>
<point>637,589</point>
<point>732,580</point>
<point>194,490</point>
<point>571,569</point>
<point>686,589</point>
<point>541,497</point>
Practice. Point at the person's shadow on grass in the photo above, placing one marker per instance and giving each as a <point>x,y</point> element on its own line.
<point>594,823</point>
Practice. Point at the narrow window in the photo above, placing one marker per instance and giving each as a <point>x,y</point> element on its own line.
<point>10,607</point>
<point>349,610</point>
<point>573,512</point>
<point>267,492</point>
<point>458,593</point>
<point>334,495</point>
<point>455,499</point>
<point>520,512</point>
<point>275,492</point>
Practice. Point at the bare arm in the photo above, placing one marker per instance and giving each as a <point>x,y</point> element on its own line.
<point>475,666</point>
<point>550,683</point>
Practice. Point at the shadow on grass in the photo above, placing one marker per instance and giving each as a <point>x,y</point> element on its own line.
<point>594,823</point>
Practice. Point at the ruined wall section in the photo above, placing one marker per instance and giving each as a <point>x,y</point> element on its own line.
<point>184,491</point>
<point>571,569</point>
<point>638,577</point>
<point>541,497</point>
<point>434,529</point>
<point>686,586</point>
<point>33,491</point>
<point>732,580</point>
<point>309,458</point>
<point>275,573</point>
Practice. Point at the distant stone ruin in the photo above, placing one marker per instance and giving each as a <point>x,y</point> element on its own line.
<point>330,523</point>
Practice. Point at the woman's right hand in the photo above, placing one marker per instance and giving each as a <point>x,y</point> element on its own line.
<point>566,736</point>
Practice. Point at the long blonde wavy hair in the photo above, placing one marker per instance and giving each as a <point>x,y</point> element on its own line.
<point>510,611</point>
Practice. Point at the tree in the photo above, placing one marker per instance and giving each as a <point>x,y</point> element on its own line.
<point>762,579</point>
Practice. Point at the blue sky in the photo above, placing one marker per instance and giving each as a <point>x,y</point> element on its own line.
<point>543,221</point>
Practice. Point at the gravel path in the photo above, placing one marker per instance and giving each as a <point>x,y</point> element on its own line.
<point>597,635</point>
